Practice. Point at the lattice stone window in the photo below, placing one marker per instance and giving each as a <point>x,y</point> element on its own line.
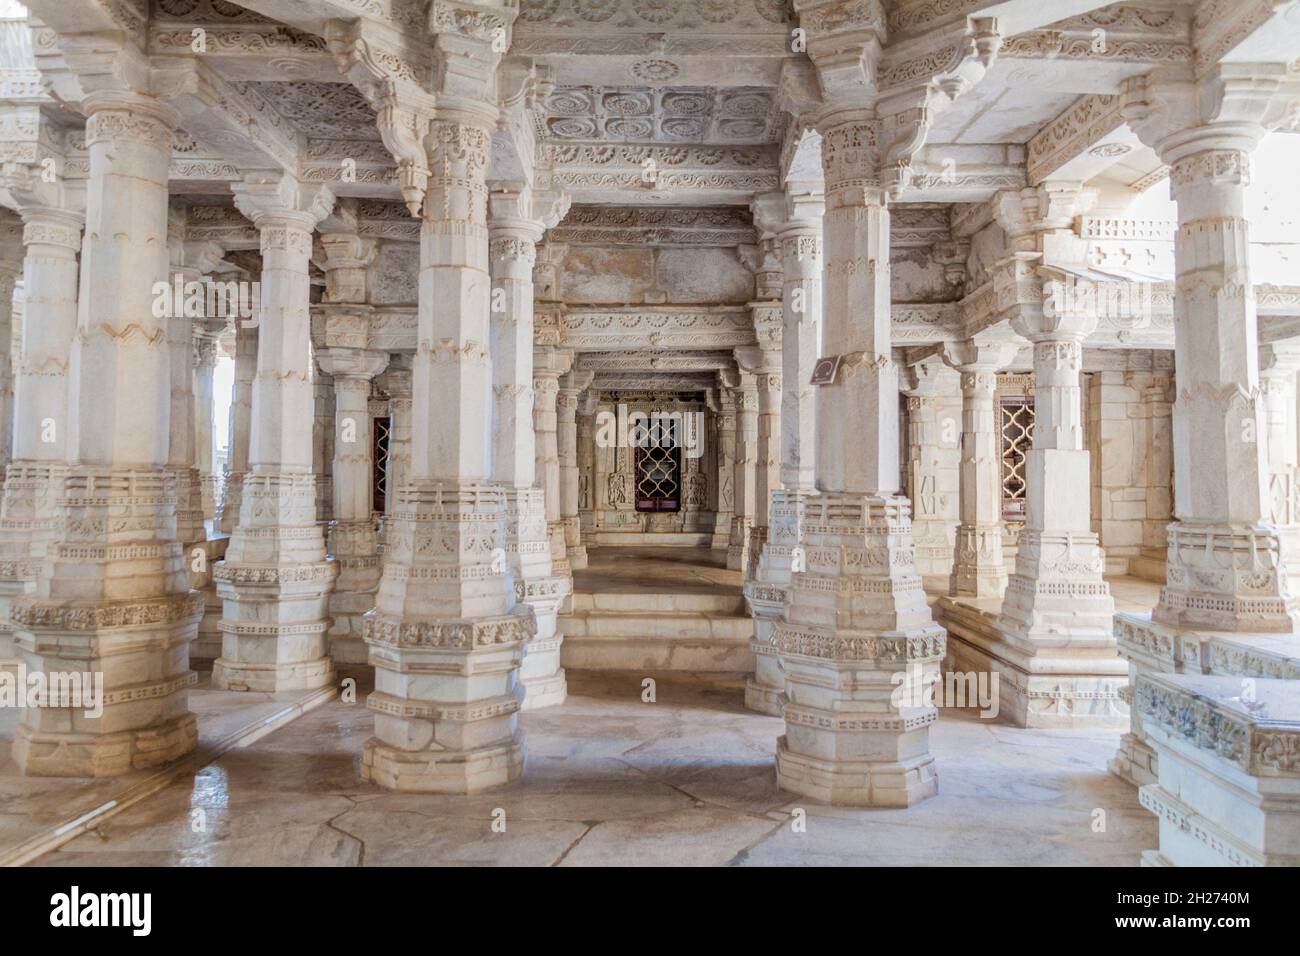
<point>659,470</point>
<point>1016,422</point>
<point>379,456</point>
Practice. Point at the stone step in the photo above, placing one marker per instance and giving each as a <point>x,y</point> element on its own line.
<point>677,627</point>
<point>721,602</point>
<point>658,641</point>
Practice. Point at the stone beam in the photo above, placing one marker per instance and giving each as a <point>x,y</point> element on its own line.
<point>605,173</point>
<point>622,42</point>
<point>1253,31</point>
<point>667,226</point>
<point>603,329</point>
<point>231,119</point>
<point>654,360</point>
<point>1096,51</point>
<point>250,48</point>
<point>914,17</point>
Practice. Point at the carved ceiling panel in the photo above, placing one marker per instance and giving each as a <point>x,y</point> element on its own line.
<point>321,110</point>
<point>684,114</point>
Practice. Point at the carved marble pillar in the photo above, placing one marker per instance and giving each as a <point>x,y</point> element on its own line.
<point>1227,591</point>
<point>934,464</point>
<point>1057,659</point>
<point>276,578</point>
<point>512,254</point>
<point>353,540</point>
<point>587,460</point>
<point>800,239</point>
<point>241,421</point>
<point>29,515</point>
<point>745,396</point>
<point>322,444</point>
<point>858,645</point>
<point>979,569</point>
<point>724,428</point>
<point>1226,563</point>
<point>549,363</point>
<point>447,633</point>
<point>205,365</point>
<point>189,263</point>
<point>1278,364</point>
<point>11,268</point>
<point>572,385</point>
<point>113,595</point>
<point>397,383</point>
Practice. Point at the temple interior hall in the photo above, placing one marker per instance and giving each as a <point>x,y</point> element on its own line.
<point>649,432</point>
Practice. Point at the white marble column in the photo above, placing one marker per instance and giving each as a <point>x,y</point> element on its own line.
<point>934,464</point>
<point>572,385</point>
<point>1225,560</point>
<point>1278,364</point>
<point>1058,661</point>
<point>744,391</point>
<point>353,540</point>
<point>241,421</point>
<point>723,407</point>
<point>858,645</point>
<point>1227,590</point>
<point>276,578</point>
<point>28,515</point>
<point>205,366</point>
<point>397,383</point>
<point>549,363</point>
<point>513,237</point>
<point>190,262</point>
<point>795,217</point>
<point>113,594</point>
<point>979,568</point>
<point>447,633</point>
<point>11,269</point>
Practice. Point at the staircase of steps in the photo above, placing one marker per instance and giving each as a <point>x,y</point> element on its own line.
<point>653,626</point>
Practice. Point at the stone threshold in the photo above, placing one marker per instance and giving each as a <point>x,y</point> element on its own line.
<point>53,837</point>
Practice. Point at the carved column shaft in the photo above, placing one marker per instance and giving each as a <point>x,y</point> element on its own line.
<point>205,365</point>
<point>28,517</point>
<point>745,483</point>
<point>1221,544</point>
<point>571,388</point>
<point>446,636</point>
<point>933,465</point>
<point>275,580</point>
<point>979,569</point>
<point>856,617</point>
<point>801,257</point>
<point>513,253</point>
<point>53,239</point>
<point>113,596</point>
<point>241,421</point>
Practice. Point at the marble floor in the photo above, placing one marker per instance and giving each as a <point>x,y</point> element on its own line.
<point>38,812</point>
<point>612,780</point>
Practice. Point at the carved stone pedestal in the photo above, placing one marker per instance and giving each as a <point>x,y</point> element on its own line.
<point>1228,792</point>
<point>859,651</point>
<point>446,689</point>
